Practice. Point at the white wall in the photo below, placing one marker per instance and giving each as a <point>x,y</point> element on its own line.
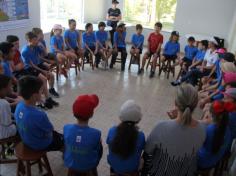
<point>232,34</point>
<point>34,14</point>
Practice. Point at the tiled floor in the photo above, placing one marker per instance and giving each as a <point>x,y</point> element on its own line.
<point>155,96</point>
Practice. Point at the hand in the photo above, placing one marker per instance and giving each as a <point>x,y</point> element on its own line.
<point>18,99</point>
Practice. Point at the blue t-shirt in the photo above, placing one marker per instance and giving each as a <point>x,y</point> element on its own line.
<point>206,159</point>
<point>34,127</point>
<point>172,48</point>
<point>120,41</point>
<point>31,54</point>
<point>200,55</point>
<point>137,40</point>
<point>232,124</point>
<point>7,68</point>
<point>131,164</point>
<point>89,39</point>
<point>190,52</point>
<point>56,41</point>
<point>83,148</point>
<point>72,37</point>
<point>102,37</point>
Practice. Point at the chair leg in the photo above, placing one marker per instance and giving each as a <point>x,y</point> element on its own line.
<point>47,165</point>
<point>28,168</point>
<point>40,166</point>
<point>168,68</point>
<point>82,63</point>
<point>57,72</point>
<point>91,62</point>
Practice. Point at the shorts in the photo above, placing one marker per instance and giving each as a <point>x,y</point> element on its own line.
<point>43,67</point>
<point>140,50</point>
<point>170,57</point>
<point>187,61</point>
<point>50,56</point>
<point>152,53</point>
<point>19,74</point>
<point>32,71</point>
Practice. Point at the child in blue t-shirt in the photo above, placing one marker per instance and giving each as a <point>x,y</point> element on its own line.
<point>8,53</point>
<point>172,48</point>
<point>65,58</point>
<point>218,140</point>
<point>199,57</point>
<point>34,127</point>
<point>103,44</point>
<point>190,52</point>
<point>48,58</point>
<point>89,43</point>
<point>119,45</point>
<point>31,56</point>
<point>72,39</point>
<point>1,67</point>
<point>126,142</point>
<point>83,147</point>
<point>137,43</point>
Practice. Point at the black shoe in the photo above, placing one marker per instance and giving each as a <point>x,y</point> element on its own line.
<point>52,102</point>
<point>42,106</point>
<point>53,92</point>
<point>97,66</point>
<point>140,71</point>
<point>175,83</point>
<point>48,104</point>
<point>122,68</point>
<point>152,74</point>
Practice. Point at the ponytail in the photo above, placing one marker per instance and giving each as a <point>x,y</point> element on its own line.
<point>186,101</point>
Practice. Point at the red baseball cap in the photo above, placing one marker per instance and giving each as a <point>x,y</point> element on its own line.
<point>84,106</point>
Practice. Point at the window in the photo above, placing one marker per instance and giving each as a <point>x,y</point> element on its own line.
<point>148,12</point>
<point>59,11</point>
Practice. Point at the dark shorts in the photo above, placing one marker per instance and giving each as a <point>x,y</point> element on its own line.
<point>43,67</point>
<point>170,57</point>
<point>150,54</point>
<point>140,50</point>
<point>187,61</point>
<point>32,71</point>
<point>19,74</point>
<point>50,56</point>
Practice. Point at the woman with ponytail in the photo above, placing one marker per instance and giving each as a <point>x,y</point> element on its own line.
<point>219,138</point>
<point>171,148</point>
<point>126,142</point>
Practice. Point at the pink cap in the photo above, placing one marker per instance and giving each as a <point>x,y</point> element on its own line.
<point>57,27</point>
<point>229,77</point>
<point>221,51</point>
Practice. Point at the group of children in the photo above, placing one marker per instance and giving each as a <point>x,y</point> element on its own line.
<point>30,71</point>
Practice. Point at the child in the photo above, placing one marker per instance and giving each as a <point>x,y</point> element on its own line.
<point>102,43</point>
<point>17,64</point>
<point>119,45</point>
<point>7,127</point>
<point>34,66</point>
<point>33,125</point>
<point>190,52</point>
<point>57,47</point>
<point>198,59</point>
<point>8,54</point>
<point>48,58</point>
<point>89,42</point>
<point>126,142</point>
<point>72,39</point>
<point>218,140</point>
<point>137,43</point>
<point>83,147</point>
<point>172,48</point>
<point>155,41</point>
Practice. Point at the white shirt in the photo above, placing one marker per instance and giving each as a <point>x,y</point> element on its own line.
<point>7,129</point>
<point>211,57</point>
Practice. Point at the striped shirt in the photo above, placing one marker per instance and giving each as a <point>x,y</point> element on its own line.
<point>171,149</point>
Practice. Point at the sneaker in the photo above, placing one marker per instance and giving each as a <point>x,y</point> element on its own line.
<point>48,104</point>
<point>122,68</point>
<point>52,102</point>
<point>175,83</point>
<point>53,92</point>
<point>41,106</point>
<point>152,74</point>
<point>140,71</point>
<point>111,66</point>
